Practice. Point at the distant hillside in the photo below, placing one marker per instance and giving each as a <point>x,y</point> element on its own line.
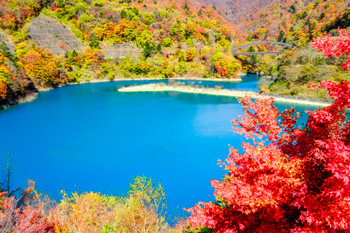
<point>288,20</point>
<point>295,21</point>
<point>46,43</point>
<point>236,11</point>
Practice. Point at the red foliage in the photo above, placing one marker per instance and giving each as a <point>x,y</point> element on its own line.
<point>335,46</point>
<point>14,14</point>
<point>24,215</point>
<point>288,179</point>
<point>39,65</point>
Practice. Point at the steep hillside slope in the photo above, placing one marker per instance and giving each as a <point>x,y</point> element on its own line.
<point>284,19</point>
<point>6,40</point>
<point>69,41</point>
<point>48,33</point>
<point>294,21</point>
<point>236,11</point>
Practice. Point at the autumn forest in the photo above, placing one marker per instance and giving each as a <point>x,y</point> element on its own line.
<point>283,177</point>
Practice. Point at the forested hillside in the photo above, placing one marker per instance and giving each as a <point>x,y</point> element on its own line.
<point>53,43</point>
<point>293,22</point>
<point>287,20</point>
<point>237,11</point>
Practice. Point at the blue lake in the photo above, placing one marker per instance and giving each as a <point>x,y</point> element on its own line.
<point>90,137</point>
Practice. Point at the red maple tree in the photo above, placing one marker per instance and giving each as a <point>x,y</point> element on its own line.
<point>288,179</point>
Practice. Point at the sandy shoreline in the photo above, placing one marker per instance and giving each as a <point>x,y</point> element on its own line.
<point>218,92</point>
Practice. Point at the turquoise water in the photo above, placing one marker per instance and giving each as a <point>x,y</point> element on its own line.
<point>90,137</point>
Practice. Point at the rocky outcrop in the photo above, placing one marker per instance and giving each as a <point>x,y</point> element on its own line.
<point>48,33</point>
<point>119,51</point>
<point>6,39</point>
<point>19,91</point>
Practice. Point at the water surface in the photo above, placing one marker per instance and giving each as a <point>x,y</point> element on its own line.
<point>90,137</point>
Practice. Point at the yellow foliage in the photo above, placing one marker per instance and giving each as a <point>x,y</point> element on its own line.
<point>224,42</point>
<point>139,212</point>
<point>40,67</point>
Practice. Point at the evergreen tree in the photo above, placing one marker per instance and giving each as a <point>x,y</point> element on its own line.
<point>200,12</point>
<point>148,49</point>
<point>281,36</point>
<point>5,50</point>
<point>94,42</point>
<point>292,9</point>
<point>159,47</point>
<point>123,14</point>
<point>186,7</point>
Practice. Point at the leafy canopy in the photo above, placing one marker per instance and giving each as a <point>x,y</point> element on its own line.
<point>288,179</point>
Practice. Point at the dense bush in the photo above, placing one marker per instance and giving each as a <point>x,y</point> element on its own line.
<point>142,209</point>
<point>225,65</point>
<point>5,76</point>
<point>303,65</point>
<point>29,213</point>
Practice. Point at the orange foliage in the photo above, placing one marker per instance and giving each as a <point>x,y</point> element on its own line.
<point>40,67</point>
<point>3,90</point>
<point>16,12</point>
<point>92,56</point>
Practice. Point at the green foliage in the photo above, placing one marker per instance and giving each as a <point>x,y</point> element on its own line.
<point>186,7</point>
<point>202,229</point>
<point>141,210</point>
<point>225,65</point>
<point>167,42</point>
<point>130,14</point>
<point>99,3</point>
<point>5,51</point>
<point>149,194</point>
<point>86,17</point>
<point>339,22</point>
<point>148,49</point>
<point>300,67</point>
<point>281,36</point>
<point>94,42</point>
<point>322,15</point>
<point>148,18</point>
<point>301,15</point>
<point>124,1</point>
<point>190,43</point>
<point>145,37</point>
<point>182,56</point>
<point>130,68</point>
<point>108,71</point>
<point>71,57</point>
<point>307,74</point>
<point>200,12</point>
<point>292,9</point>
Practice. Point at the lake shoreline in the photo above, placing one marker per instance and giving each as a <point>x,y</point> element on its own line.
<point>156,78</point>
<point>31,96</point>
<point>221,92</point>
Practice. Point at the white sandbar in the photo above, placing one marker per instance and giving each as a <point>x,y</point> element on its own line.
<point>220,92</point>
